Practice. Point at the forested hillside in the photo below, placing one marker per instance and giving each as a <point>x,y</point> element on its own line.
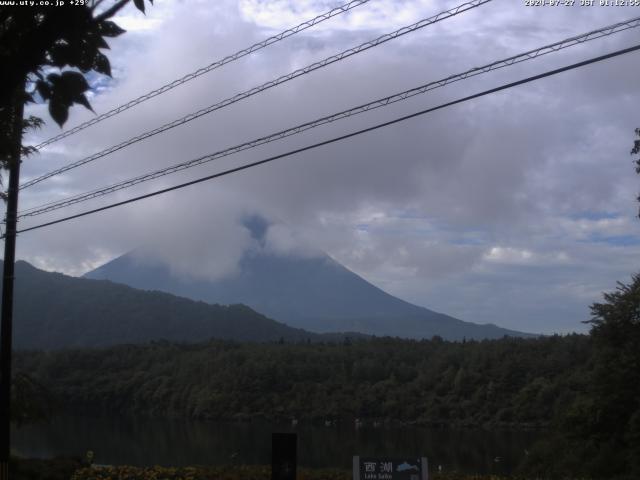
<point>509,382</point>
<point>54,311</point>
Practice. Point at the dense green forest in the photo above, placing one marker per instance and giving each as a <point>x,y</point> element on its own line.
<point>585,390</point>
<point>509,382</point>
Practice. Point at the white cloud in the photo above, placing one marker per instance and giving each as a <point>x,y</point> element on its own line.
<point>133,23</point>
<point>281,239</point>
<point>375,15</point>
<point>523,256</point>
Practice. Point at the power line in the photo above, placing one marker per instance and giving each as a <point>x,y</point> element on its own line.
<point>529,55</point>
<point>339,138</point>
<point>265,86</point>
<point>217,64</point>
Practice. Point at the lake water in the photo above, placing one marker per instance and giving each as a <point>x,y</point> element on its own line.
<point>142,441</point>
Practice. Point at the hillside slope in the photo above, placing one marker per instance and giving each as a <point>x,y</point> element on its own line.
<point>54,310</point>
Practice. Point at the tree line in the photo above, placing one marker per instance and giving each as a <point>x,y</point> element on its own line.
<point>509,382</point>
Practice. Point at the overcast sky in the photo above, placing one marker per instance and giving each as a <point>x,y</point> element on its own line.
<point>517,208</point>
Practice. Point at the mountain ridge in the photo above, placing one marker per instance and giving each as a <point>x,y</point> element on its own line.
<point>53,310</point>
<point>315,293</point>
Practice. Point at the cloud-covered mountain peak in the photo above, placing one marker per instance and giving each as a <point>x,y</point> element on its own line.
<point>307,291</point>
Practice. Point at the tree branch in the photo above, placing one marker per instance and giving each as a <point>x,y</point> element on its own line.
<point>96,4</point>
<point>111,11</point>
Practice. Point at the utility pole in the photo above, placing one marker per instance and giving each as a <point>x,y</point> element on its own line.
<point>6,322</point>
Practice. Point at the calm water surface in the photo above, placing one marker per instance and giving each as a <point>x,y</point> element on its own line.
<point>140,441</point>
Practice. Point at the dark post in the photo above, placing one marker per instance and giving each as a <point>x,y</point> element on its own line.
<point>7,286</point>
<point>283,456</point>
